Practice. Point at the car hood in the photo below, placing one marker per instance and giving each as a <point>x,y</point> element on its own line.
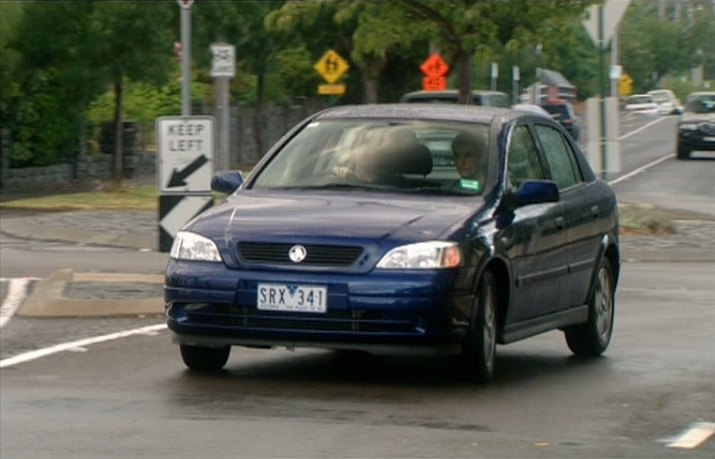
<point>333,217</point>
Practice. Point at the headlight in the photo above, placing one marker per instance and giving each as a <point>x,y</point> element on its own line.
<point>191,246</point>
<point>423,255</point>
<point>687,126</point>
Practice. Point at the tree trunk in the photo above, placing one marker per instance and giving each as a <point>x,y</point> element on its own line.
<point>464,77</point>
<point>371,81</point>
<point>118,134</point>
<point>258,113</point>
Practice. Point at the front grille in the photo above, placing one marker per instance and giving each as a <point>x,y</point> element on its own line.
<point>317,255</point>
<point>338,321</point>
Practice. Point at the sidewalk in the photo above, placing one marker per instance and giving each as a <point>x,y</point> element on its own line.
<point>113,294</point>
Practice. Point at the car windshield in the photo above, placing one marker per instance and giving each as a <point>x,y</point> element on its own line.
<point>661,97</point>
<point>641,100</point>
<point>382,155</point>
<point>558,111</point>
<point>702,104</point>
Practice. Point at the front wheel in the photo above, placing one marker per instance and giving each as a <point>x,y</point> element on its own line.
<point>477,359</point>
<point>204,359</point>
<point>683,153</point>
<point>592,338</point>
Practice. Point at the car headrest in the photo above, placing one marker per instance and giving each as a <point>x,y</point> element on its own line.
<point>412,158</point>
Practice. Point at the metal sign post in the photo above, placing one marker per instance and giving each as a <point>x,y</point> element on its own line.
<point>185,56</point>
<point>223,68</point>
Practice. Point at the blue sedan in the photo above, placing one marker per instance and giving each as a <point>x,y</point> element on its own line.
<point>401,228</point>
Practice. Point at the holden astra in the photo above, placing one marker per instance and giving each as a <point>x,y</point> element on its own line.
<point>401,228</point>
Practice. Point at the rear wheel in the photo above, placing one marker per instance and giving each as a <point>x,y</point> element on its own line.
<point>204,359</point>
<point>591,338</point>
<point>477,359</point>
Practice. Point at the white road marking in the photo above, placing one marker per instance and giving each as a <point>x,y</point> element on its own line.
<point>695,436</point>
<point>642,128</point>
<point>73,345</point>
<point>640,169</point>
<point>16,293</point>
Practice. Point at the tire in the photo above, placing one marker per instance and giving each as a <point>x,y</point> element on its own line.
<point>683,153</point>
<point>592,338</point>
<point>204,359</point>
<point>478,355</point>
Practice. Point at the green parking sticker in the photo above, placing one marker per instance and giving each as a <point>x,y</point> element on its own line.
<point>469,184</point>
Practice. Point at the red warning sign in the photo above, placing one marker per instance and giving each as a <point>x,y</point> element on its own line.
<point>435,69</point>
<point>430,83</point>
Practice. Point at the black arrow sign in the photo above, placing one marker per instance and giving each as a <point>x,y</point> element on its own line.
<point>178,178</point>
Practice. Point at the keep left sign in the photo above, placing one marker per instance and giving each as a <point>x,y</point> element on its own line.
<point>185,153</point>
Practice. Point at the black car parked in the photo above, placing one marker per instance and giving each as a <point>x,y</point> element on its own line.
<point>696,128</point>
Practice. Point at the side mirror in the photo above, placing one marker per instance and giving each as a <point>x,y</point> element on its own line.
<point>537,192</point>
<point>226,181</point>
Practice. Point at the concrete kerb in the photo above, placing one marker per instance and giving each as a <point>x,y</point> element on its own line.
<point>49,297</point>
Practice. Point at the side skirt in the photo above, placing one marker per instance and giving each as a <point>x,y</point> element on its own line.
<point>531,327</point>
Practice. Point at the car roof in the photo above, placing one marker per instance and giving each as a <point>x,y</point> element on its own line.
<point>464,113</point>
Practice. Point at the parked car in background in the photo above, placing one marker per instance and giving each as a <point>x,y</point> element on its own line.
<point>696,128</point>
<point>401,228</point>
<point>668,104</point>
<point>481,97</point>
<point>562,111</point>
<point>642,104</point>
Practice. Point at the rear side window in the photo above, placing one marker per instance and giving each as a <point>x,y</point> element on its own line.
<point>559,156</point>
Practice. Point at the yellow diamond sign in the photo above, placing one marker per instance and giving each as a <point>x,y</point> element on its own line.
<point>331,66</point>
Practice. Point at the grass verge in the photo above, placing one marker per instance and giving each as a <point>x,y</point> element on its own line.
<point>135,198</point>
<point>644,220</point>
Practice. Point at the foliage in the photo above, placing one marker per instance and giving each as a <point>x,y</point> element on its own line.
<point>55,75</point>
<point>653,39</point>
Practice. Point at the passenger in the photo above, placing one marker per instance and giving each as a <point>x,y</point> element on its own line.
<point>470,153</point>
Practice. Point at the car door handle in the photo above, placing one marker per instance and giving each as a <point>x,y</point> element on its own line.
<point>595,211</point>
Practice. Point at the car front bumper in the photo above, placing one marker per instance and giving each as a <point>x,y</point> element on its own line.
<point>411,311</point>
<point>696,140</point>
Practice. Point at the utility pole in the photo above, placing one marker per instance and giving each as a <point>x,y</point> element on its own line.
<point>185,56</point>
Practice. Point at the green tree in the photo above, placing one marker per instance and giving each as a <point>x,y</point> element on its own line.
<point>53,81</point>
<point>242,25</point>
<point>132,40</point>
<point>463,29</point>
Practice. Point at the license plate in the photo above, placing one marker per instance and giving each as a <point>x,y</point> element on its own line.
<point>292,297</point>
<point>709,139</point>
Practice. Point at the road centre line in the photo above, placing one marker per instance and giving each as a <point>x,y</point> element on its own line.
<point>16,293</point>
<point>33,355</point>
<point>640,169</point>
<point>642,128</point>
<point>695,436</point>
